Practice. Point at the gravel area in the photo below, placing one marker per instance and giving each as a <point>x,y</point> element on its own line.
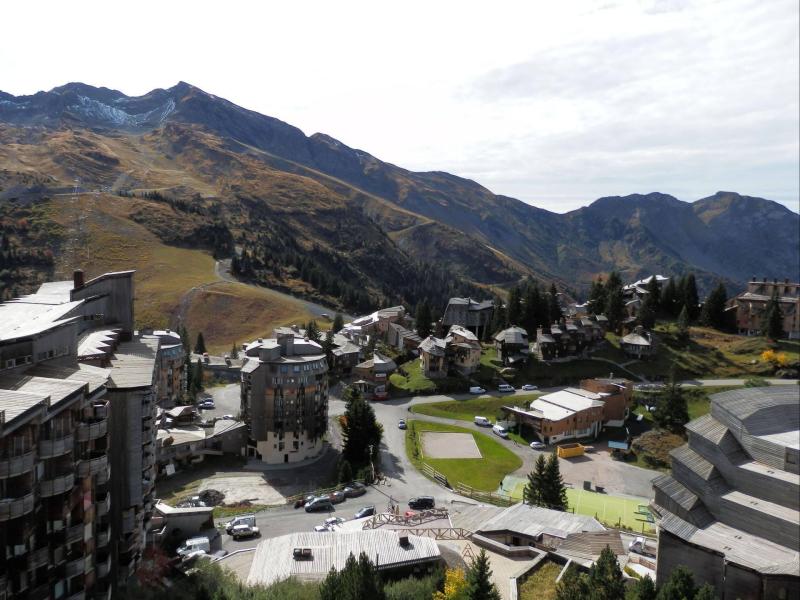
<point>436,444</point>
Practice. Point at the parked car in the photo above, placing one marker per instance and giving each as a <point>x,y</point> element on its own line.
<point>475,389</point>
<point>320,528</point>
<point>244,531</point>
<point>319,504</point>
<point>422,503</point>
<point>336,497</point>
<point>193,545</point>
<point>482,421</point>
<point>228,418</point>
<point>500,431</point>
<point>351,490</point>
<point>240,520</point>
<point>538,445</point>
<point>366,511</point>
<point>304,501</point>
<point>206,404</point>
<point>504,387</point>
<point>529,387</point>
<point>401,424</point>
<point>332,522</point>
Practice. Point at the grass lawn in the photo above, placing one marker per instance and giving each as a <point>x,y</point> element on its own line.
<point>708,354</point>
<point>614,511</point>
<point>542,584</point>
<point>415,383</point>
<point>466,410</point>
<point>480,473</point>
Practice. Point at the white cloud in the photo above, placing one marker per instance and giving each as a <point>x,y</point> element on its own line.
<point>554,103</point>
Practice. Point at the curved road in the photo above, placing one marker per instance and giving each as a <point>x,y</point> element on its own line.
<point>222,269</point>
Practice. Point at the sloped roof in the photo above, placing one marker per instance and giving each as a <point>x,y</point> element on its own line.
<point>534,521</point>
<point>433,345</point>
<point>512,335</point>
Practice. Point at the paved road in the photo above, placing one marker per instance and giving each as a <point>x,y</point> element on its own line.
<point>226,401</point>
<point>222,269</point>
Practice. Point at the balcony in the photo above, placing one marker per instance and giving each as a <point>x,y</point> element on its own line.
<point>102,506</point>
<point>76,566</point>
<point>100,410</point>
<point>102,477</point>
<point>12,508</point>
<point>59,555</point>
<point>128,520</point>
<point>104,567</point>
<point>56,446</point>
<point>41,592</point>
<point>93,466</point>
<point>102,538</point>
<point>56,485</point>
<point>92,431</point>
<point>16,465</point>
<point>38,558</point>
<point>75,533</point>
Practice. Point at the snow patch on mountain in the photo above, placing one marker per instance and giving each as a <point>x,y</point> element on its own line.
<point>99,111</point>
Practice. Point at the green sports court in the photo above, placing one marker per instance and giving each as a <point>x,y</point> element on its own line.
<point>613,511</point>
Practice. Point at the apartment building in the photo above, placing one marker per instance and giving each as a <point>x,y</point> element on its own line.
<point>470,314</point>
<point>729,508</point>
<point>284,394</point>
<point>77,389</point>
<point>751,305</point>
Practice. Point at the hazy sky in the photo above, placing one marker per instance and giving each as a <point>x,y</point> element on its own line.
<point>555,103</point>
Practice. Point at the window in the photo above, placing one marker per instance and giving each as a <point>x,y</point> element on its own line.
<point>296,369</point>
<point>11,363</point>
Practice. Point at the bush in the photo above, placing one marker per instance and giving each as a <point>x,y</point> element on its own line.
<point>412,587</point>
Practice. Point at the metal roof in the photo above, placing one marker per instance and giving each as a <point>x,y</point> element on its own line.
<point>533,521</point>
<point>274,560</point>
<point>133,363</point>
<point>512,335</point>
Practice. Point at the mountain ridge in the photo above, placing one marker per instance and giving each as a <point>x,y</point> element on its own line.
<point>723,236</point>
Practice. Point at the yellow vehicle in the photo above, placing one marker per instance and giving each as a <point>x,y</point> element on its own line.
<point>570,450</point>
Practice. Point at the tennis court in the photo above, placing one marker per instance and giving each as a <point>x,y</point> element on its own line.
<point>612,511</point>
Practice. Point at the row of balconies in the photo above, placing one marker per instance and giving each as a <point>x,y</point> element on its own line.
<point>93,466</point>
<point>17,465</point>
<point>56,446</point>
<point>92,431</point>
<point>13,508</point>
<point>58,484</point>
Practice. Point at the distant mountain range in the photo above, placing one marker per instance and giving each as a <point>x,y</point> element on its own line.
<point>259,175</point>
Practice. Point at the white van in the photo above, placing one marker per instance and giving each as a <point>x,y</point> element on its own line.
<point>500,430</point>
<point>198,544</point>
<point>476,389</point>
<point>240,520</point>
<point>504,387</point>
<point>482,422</point>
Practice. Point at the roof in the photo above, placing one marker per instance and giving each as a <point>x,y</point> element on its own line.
<point>96,377</point>
<point>179,411</point>
<point>98,342</point>
<point>463,332</point>
<point>471,304</point>
<point>512,335</point>
<point>433,345</point>
<point>771,413</point>
<point>635,339</point>
<point>378,363</point>
<point>167,510</point>
<point>736,545</point>
<point>30,316</point>
<point>133,363</point>
<point>180,435</point>
<point>57,390</point>
<point>274,561</point>
<point>14,404</point>
<point>564,403</point>
<point>533,521</point>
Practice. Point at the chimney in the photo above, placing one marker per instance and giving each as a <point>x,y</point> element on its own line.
<point>765,280</point>
<point>786,280</point>
<point>754,278</point>
<point>77,279</point>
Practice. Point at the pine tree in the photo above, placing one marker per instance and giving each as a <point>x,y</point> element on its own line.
<point>772,322</point>
<point>683,325</point>
<point>197,379</point>
<point>615,307</point>
<point>573,586</point>
<point>679,586</point>
<point>605,577</point>
<point>647,314</point>
<point>424,319</point>
<point>554,312</point>
<point>671,411</point>
<point>345,471</point>
<point>597,297</point>
<point>358,579</point>
<point>669,298</point>
<point>328,344</point>
<point>690,297</point>
<point>184,339</point>
<point>338,322</point>
<point>554,493</point>
<point>532,494</point>
<point>360,432</point>
<point>654,294</point>
<point>479,579</point>
<point>514,306</point>
<point>713,312</point>
<point>642,589</point>
<point>706,592</point>
<point>200,344</point>
<point>235,350</point>
<point>532,308</point>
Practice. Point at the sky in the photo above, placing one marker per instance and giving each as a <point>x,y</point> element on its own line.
<point>554,103</point>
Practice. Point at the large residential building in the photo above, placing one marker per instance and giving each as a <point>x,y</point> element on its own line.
<point>373,376</point>
<point>729,509</point>
<point>577,412</point>
<point>751,305</point>
<point>458,351</point>
<point>470,314</point>
<point>77,395</point>
<point>512,346</point>
<point>284,394</point>
<point>362,330</point>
